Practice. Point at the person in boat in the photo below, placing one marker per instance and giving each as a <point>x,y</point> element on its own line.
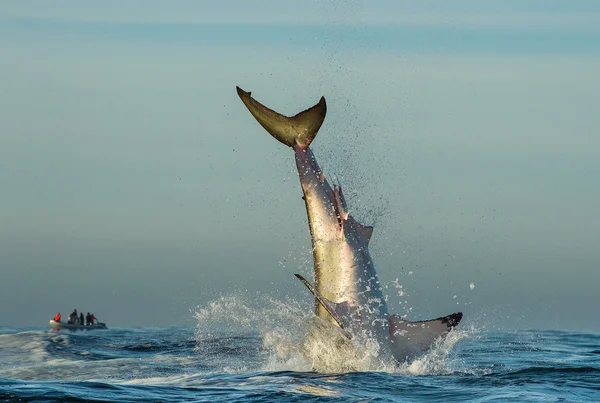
<point>88,319</point>
<point>81,322</point>
<point>92,319</point>
<point>72,320</point>
<point>57,317</point>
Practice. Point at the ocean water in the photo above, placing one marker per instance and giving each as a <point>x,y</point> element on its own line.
<point>282,353</point>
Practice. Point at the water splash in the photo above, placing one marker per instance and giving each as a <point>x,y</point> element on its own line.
<point>437,360</point>
<point>293,339</point>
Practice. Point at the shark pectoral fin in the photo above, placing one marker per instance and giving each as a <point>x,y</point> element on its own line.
<point>298,130</point>
<point>334,309</point>
<point>412,338</point>
<point>327,304</point>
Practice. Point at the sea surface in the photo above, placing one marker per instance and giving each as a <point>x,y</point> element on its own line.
<point>253,357</point>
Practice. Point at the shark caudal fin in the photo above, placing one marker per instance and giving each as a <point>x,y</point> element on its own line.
<point>298,130</point>
<point>410,339</point>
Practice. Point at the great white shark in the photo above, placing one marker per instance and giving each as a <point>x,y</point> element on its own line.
<point>347,291</point>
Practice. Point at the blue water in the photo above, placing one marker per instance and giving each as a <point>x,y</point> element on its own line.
<point>243,362</point>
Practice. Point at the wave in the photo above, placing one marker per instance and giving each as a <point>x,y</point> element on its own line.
<point>555,371</point>
<point>268,349</point>
<point>157,346</point>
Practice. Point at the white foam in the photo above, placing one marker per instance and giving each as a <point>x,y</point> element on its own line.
<point>24,347</point>
<point>179,380</point>
<point>295,340</point>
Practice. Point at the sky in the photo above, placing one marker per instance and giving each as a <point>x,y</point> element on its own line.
<point>136,185</point>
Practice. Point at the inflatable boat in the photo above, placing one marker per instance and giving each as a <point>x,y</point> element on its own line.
<point>70,326</point>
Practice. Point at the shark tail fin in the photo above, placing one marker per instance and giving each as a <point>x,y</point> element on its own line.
<point>299,130</point>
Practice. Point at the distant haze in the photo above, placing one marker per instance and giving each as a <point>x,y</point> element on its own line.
<point>135,184</point>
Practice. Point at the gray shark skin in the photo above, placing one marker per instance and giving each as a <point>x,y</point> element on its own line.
<point>347,291</point>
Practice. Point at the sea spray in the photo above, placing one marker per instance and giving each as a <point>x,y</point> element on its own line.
<point>294,339</point>
<point>436,361</point>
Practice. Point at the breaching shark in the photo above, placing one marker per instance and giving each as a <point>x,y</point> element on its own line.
<point>347,291</point>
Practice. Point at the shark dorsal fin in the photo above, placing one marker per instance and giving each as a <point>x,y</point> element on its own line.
<point>367,231</point>
<point>364,232</point>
